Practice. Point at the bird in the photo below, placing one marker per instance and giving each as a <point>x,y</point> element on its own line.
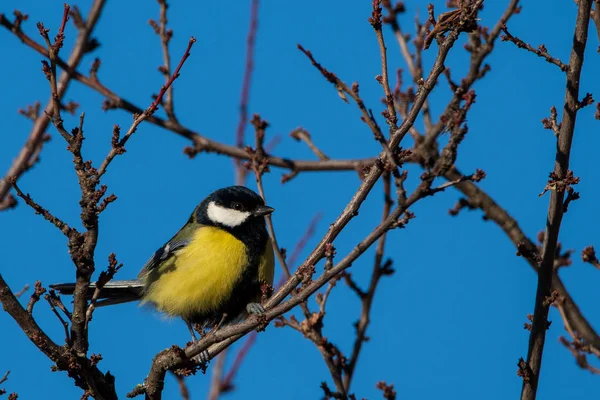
<point>211,272</point>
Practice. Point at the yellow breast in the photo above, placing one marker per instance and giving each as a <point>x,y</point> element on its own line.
<point>201,276</point>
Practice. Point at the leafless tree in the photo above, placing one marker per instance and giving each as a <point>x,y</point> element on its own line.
<point>437,33</point>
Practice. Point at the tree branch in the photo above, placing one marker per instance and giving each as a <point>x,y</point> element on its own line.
<point>25,320</point>
<point>555,209</point>
<point>199,142</point>
<point>57,222</point>
<point>379,269</point>
<point>35,140</point>
<point>241,172</point>
<point>541,51</point>
<point>165,35</point>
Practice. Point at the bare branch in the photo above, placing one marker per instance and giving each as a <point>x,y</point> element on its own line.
<point>580,356</point>
<point>62,226</point>
<point>54,301</point>
<point>35,297</point>
<point>301,134</point>
<point>344,90</point>
<point>541,51</point>
<point>165,36</point>
<point>227,382</point>
<point>11,396</point>
<point>379,269</point>
<point>103,279</point>
<point>240,171</point>
<point>22,291</point>
<point>28,325</point>
<point>199,142</point>
<point>5,377</point>
<point>376,22</point>
<point>555,209</point>
<point>216,385</point>
<point>595,16</point>
<point>30,150</point>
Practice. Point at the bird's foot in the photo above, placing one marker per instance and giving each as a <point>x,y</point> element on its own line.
<point>203,357</point>
<point>258,310</point>
<point>255,309</point>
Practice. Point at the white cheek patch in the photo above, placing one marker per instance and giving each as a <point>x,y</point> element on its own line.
<point>226,216</point>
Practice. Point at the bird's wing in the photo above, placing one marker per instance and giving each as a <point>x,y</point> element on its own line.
<point>179,241</point>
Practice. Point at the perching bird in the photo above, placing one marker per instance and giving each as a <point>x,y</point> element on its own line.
<point>215,265</point>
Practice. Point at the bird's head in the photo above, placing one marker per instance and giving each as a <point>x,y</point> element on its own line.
<point>233,207</point>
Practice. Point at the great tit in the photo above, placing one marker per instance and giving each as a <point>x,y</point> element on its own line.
<point>211,271</point>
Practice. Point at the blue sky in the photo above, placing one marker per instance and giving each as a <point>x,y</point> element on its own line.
<point>448,324</point>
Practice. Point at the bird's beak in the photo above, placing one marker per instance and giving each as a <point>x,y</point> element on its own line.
<point>262,211</point>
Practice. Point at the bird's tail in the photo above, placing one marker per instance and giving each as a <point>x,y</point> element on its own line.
<point>113,292</point>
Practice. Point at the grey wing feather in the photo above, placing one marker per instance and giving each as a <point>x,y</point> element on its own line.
<point>162,254</point>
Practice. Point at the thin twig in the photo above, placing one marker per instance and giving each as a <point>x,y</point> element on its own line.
<point>165,37</point>
<point>3,391</point>
<point>5,377</point>
<point>476,71</point>
<point>258,167</point>
<point>35,296</point>
<point>579,356</point>
<point>22,291</point>
<point>541,51</point>
<point>392,18</point>
<point>51,299</point>
<point>50,71</point>
<point>183,389</point>
<point>301,134</point>
<point>227,382</point>
<point>308,234</point>
<point>241,172</point>
<point>344,90</point>
<point>103,279</point>
<point>595,15</point>
<point>476,177</point>
<point>57,222</point>
<point>58,303</point>
<point>413,61</point>
<point>376,22</point>
<point>216,388</point>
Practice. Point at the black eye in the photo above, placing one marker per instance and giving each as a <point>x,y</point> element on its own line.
<point>237,206</point>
